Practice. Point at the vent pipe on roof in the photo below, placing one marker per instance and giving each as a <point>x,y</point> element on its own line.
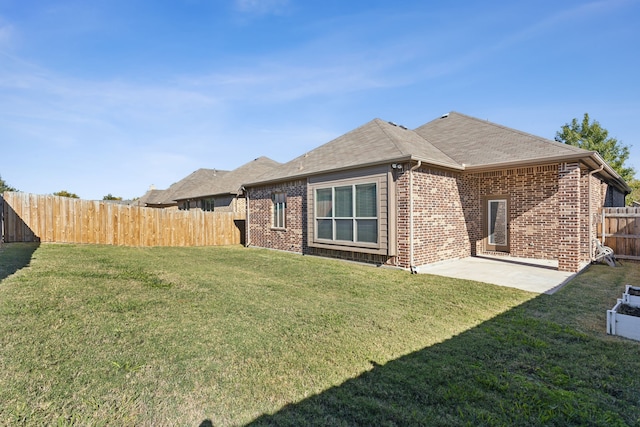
<point>444,116</point>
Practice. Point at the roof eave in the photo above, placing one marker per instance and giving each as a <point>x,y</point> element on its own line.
<point>591,158</point>
<point>402,159</point>
<point>528,162</point>
<point>613,175</point>
<point>200,196</point>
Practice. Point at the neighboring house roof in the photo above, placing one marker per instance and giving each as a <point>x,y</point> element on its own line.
<point>373,143</point>
<point>152,197</point>
<point>453,141</point>
<point>230,182</point>
<point>185,186</point>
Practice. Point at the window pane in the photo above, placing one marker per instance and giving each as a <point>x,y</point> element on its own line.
<point>498,222</point>
<point>344,229</point>
<point>325,229</point>
<point>366,200</point>
<point>367,230</point>
<point>279,203</point>
<point>323,202</point>
<point>344,201</point>
<point>280,222</point>
<point>275,215</point>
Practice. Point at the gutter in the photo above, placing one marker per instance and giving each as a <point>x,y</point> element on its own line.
<point>623,185</point>
<point>412,267</point>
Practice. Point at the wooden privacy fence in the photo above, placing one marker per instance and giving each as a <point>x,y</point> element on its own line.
<point>37,218</point>
<point>620,230</point>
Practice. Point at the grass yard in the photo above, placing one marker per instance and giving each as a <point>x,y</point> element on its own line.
<point>100,335</point>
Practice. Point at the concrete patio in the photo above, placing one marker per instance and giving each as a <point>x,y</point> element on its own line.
<point>539,276</point>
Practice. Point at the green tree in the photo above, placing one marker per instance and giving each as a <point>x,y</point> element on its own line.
<point>4,186</point>
<point>635,192</point>
<point>65,193</point>
<point>593,137</point>
<point>111,197</point>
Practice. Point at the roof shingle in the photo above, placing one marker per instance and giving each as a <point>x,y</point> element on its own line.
<point>474,142</point>
<point>375,142</point>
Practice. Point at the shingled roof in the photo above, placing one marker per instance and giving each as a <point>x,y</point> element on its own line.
<point>373,143</point>
<point>478,143</point>
<point>230,182</point>
<point>186,185</point>
<point>454,141</point>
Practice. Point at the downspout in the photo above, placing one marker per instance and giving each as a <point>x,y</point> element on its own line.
<point>591,213</point>
<point>412,266</point>
<point>247,224</point>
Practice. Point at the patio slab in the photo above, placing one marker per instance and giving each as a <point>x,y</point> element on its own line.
<point>539,276</point>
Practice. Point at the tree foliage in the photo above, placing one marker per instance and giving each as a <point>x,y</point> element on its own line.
<point>111,197</point>
<point>4,186</point>
<point>65,193</point>
<point>635,192</point>
<point>593,137</point>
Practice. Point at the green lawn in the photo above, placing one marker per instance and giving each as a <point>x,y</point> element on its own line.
<point>99,335</point>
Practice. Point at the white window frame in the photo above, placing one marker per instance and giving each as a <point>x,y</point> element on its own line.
<point>279,210</point>
<point>353,218</point>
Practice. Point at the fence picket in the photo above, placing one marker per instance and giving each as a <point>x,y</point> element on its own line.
<point>31,217</point>
<point>622,231</point>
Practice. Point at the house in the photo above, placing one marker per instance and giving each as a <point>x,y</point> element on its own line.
<point>209,189</point>
<point>155,198</point>
<point>452,188</point>
<point>224,193</point>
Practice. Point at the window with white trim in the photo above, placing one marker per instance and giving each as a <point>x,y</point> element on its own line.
<point>347,213</point>
<point>279,206</point>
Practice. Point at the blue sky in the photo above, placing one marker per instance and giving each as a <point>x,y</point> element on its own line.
<point>111,96</point>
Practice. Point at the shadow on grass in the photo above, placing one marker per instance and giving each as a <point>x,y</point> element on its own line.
<point>529,366</point>
<point>15,256</point>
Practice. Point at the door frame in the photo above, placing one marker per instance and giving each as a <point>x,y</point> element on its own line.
<point>486,200</point>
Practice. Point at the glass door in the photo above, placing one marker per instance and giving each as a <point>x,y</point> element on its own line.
<point>497,223</point>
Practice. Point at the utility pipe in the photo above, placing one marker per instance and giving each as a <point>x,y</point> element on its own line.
<point>412,266</point>
<point>591,258</point>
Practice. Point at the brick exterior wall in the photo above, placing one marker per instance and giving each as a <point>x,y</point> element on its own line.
<point>533,220</point>
<point>548,218</point>
<point>293,237</point>
<point>597,191</point>
<point>570,230</point>
<point>439,226</point>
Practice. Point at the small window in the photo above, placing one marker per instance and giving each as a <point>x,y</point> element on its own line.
<point>279,206</point>
<point>207,204</point>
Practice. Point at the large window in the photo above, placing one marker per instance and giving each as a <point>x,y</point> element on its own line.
<point>347,213</point>
<point>279,205</point>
